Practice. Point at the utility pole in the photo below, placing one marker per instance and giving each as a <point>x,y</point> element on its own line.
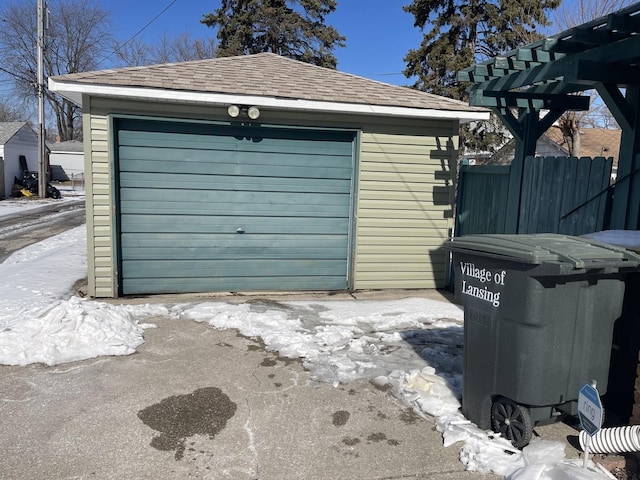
<point>42,170</point>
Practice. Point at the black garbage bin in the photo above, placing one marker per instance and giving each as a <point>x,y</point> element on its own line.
<point>539,312</point>
<point>620,397</point>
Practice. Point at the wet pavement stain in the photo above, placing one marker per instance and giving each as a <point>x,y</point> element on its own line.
<point>350,441</point>
<point>340,418</point>
<point>377,437</point>
<point>409,417</point>
<point>205,412</point>
<point>381,437</point>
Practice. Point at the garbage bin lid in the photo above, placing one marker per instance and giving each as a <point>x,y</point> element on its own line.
<point>541,248</point>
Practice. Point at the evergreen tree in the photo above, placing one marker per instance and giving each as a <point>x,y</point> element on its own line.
<point>291,28</point>
<point>458,33</point>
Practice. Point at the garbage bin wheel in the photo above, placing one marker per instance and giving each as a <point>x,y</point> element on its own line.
<point>512,421</point>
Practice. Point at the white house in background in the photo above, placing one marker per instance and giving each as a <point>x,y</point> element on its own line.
<point>16,139</point>
<point>66,160</point>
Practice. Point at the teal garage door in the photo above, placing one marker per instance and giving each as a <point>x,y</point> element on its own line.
<point>224,208</point>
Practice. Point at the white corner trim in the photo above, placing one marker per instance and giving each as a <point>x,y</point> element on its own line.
<point>75,91</point>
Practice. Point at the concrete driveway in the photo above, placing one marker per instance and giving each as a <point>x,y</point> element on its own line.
<point>195,402</point>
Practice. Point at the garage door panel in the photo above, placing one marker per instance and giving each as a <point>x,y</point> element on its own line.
<point>192,156</point>
<point>233,252</point>
<point>200,208</point>
<point>231,268</point>
<point>160,148</point>
<point>185,190</point>
<point>245,139</point>
<point>180,165</point>
<point>186,285</point>
<point>215,240</point>
<point>197,182</point>
<point>215,197</point>
<point>249,225</point>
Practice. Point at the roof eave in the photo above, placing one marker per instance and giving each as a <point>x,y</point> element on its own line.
<point>73,91</point>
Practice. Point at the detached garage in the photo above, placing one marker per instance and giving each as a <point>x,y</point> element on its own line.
<point>263,173</point>
<point>18,146</point>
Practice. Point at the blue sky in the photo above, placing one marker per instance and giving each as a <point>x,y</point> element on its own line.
<point>379,33</point>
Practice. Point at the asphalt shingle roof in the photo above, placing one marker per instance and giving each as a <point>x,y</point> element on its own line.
<point>68,146</point>
<point>268,75</point>
<point>594,142</point>
<point>8,130</point>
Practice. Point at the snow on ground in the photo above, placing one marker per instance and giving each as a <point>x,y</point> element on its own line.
<point>413,346</point>
<point>21,205</point>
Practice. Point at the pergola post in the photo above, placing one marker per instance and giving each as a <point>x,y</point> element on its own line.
<point>526,137</point>
<point>625,211</point>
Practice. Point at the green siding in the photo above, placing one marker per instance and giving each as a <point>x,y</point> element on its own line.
<point>405,209</point>
<point>101,274</point>
<point>185,189</point>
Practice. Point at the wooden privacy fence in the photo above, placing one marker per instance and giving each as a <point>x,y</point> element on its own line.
<point>482,199</point>
<point>566,195</point>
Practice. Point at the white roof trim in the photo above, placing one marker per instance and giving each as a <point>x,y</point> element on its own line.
<point>74,92</point>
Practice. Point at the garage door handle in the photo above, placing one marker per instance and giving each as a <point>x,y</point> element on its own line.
<point>239,230</point>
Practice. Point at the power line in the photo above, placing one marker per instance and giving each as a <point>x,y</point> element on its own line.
<point>148,24</point>
<point>151,21</point>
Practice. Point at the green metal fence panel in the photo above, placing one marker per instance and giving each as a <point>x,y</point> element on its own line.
<point>566,195</point>
<point>542,185</point>
<point>482,199</point>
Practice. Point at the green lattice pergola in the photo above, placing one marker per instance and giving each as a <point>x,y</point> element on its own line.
<point>543,80</point>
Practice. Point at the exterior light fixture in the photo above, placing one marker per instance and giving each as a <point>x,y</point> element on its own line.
<point>233,111</point>
<point>253,113</point>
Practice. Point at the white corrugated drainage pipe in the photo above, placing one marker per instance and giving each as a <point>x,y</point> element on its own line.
<point>613,440</point>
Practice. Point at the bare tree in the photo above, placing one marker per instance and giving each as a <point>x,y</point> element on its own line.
<point>78,35</point>
<point>572,14</point>
<point>183,48</point>
<point>569,124</point>
<point>10,112</point>
<point>168,49</point>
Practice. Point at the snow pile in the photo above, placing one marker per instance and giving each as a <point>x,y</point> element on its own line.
<point>38,326</point>
<point>340,341</point>
<point>544,460</point>
<point>71,330</point>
